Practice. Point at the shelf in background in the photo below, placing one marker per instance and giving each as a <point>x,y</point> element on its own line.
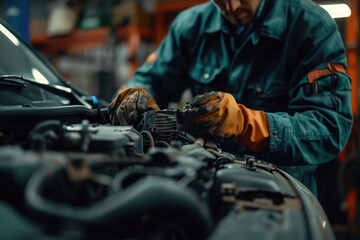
<point>80,40</point>
<point>83,39</point>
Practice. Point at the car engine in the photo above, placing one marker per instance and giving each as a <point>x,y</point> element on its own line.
<point>156,181</point>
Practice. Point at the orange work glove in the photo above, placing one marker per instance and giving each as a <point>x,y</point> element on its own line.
<point>217,114</point>
<point>126,108</point>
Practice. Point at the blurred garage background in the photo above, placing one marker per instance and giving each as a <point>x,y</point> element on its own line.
<point>98,44</point>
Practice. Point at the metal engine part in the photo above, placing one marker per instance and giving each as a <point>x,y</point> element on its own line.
<point>92,181</point>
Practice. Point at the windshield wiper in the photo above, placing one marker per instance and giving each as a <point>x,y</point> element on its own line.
<point>17,80</point>
<point>13,83</point>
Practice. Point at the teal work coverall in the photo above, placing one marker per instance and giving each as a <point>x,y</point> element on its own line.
<point>291,65</point>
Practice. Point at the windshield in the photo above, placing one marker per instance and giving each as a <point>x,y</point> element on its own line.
<point>17,59</point>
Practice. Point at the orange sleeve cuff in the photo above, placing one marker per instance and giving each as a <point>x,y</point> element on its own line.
<point>256,135</point>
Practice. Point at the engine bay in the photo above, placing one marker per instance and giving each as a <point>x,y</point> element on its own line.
<point>88,180</point>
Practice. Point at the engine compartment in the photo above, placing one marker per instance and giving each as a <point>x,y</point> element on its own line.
<point>88,180</point>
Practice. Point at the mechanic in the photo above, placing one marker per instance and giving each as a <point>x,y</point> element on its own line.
<point>268,76</point>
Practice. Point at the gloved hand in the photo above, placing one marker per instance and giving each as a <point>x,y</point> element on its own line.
<point>126,108</point>
<point>217,114</point>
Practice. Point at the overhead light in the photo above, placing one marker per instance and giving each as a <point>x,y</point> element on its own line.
<point>341,10</point>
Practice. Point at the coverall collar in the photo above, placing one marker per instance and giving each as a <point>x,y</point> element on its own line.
<point>273,25</point>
